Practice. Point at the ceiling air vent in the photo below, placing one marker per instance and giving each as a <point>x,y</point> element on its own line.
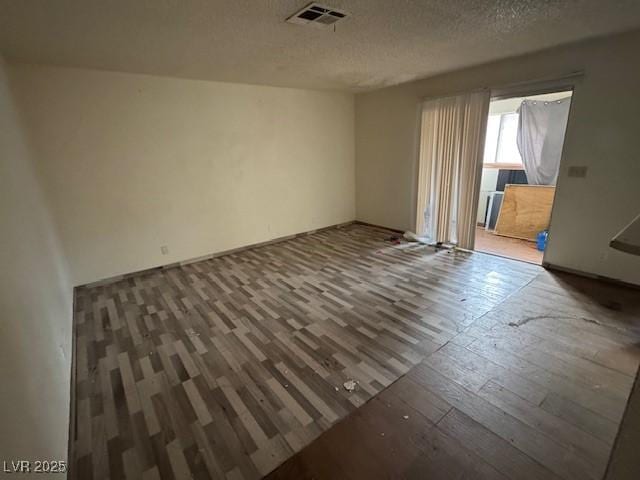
<point>317,15</point>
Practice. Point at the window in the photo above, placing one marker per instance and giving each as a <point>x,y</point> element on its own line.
<point>501,147</point>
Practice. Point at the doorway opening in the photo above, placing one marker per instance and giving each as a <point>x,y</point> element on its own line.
<point>523,146</point>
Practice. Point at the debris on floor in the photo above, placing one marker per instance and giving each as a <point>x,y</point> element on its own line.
<point>350,385</point>
<point>410,237</point>
<point>406,417</point>
<point>395,239</point>
<point>437,246</point>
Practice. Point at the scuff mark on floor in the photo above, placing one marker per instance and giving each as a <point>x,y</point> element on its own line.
<point>526,320</point>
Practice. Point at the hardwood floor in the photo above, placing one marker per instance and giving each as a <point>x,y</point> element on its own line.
<point>624,463</point>
<point>228,367</point>
<point>515,248</point>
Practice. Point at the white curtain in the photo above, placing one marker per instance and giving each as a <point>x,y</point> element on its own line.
<point>541,129</point>
<point>451,150</point>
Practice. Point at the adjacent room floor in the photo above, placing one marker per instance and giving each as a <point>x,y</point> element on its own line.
<point>515,248</point>
<point>228,367</point>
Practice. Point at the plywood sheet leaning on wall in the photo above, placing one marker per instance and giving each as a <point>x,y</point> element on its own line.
<point>525,211</point>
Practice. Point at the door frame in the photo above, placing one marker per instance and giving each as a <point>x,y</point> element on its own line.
<point>570,83</point>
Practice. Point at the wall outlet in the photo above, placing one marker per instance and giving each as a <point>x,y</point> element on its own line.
<point>578,171</point>
<point>164,250</point>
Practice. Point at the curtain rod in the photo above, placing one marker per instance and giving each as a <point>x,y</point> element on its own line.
<point>537,86</point>
<point>559,80</point>
<point>455,94</point>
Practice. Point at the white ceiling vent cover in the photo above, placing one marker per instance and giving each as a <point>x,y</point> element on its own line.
<point>317,15</point>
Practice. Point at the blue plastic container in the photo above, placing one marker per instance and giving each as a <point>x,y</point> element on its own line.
<point>541,240</point>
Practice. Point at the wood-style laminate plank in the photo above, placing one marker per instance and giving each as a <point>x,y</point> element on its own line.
<point>226,367</point>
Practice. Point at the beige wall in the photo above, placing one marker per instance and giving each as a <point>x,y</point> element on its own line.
<point>135,162</point>
<point>602,135</point>
<point>35,305</point>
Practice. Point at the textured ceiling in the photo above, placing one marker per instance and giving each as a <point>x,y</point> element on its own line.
<point>384,42</point>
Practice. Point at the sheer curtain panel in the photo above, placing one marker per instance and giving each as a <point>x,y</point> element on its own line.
<point>450,166</point>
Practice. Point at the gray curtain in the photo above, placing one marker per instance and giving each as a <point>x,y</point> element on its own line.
<point>541,129</point>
